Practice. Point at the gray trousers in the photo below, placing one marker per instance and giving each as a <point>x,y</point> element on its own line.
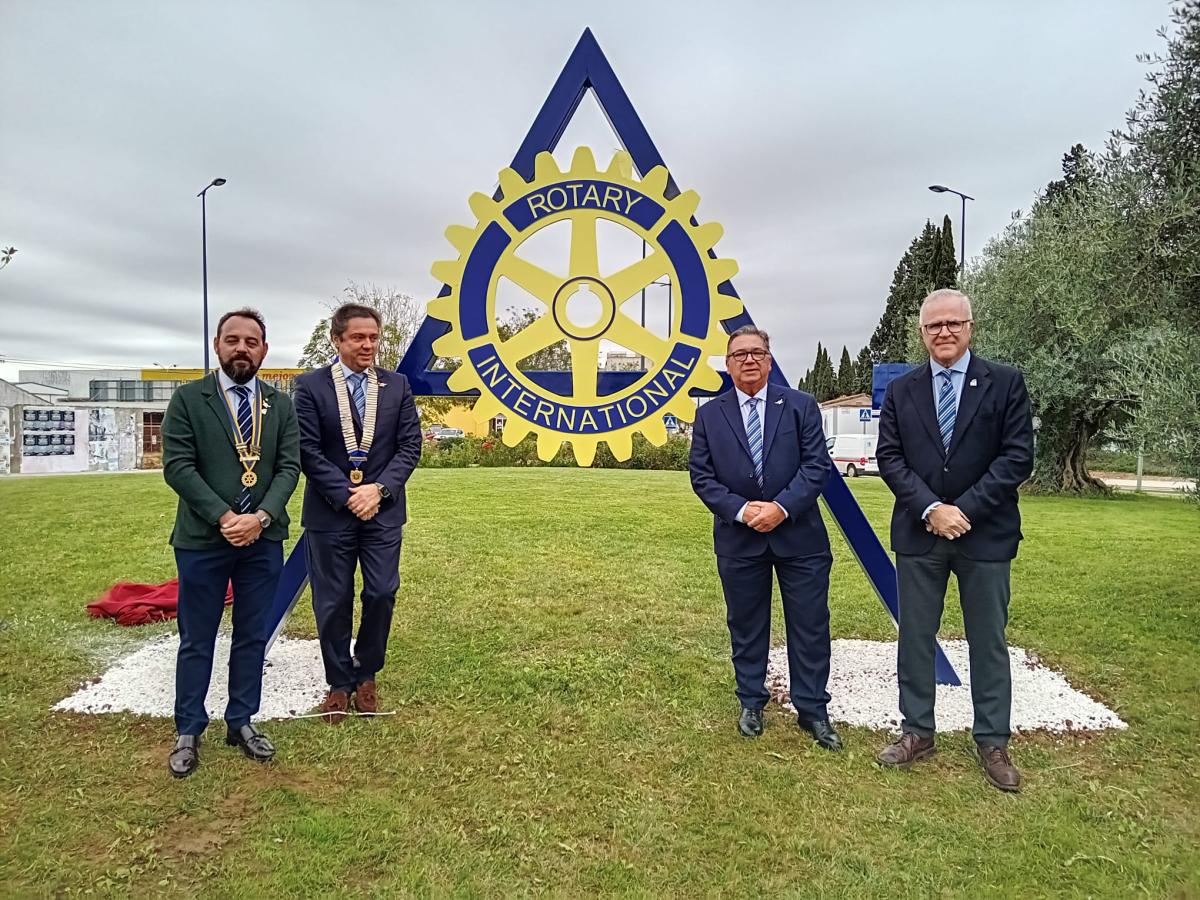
<point>983,588</point>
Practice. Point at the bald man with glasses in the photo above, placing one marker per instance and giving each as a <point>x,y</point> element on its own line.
<point>955,443</point>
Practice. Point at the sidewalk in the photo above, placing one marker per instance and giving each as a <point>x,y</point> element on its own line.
<point>1151,484</point>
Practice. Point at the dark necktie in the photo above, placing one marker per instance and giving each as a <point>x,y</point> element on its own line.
<point>947,409</point>
<point>245,422</point>
<point>754,436</point>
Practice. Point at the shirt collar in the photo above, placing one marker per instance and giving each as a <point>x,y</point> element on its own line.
<point>743,397</point>
<point>348,372</point>
<point>960,367</point>
<point>227,383</point>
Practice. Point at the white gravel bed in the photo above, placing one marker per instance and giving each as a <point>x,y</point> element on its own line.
<point>862,683</point>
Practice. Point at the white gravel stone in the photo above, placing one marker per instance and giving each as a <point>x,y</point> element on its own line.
<point>144,681</point>
<point>862,685</point>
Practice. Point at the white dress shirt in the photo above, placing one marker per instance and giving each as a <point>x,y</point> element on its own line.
<point>761,408</point>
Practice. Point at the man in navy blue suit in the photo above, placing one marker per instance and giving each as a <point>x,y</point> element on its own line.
<point>360,440</point>
<point>955,443</point>
<point>759,462</point>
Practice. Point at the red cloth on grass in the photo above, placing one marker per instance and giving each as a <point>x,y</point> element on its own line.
<point>140,604</point>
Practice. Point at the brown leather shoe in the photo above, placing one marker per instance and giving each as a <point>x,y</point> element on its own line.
<point>998,768</point>
<point>906,751</point>
<point>366,698</point>
<point>335,706</point>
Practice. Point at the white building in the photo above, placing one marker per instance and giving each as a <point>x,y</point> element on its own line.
<point>849,415</point>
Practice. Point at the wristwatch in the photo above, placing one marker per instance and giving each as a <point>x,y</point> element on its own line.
<point>383,491</point>
<point>264,518</point>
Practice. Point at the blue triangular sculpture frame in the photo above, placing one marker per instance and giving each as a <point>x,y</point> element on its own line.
<point>587,67</point>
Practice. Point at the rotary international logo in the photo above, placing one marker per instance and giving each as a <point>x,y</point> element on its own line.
<point>677,248</point>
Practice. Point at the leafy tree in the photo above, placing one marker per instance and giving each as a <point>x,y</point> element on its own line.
<point>401,314</point>
<point>6,255</point>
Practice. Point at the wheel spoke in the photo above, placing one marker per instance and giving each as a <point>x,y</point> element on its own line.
<point>585,260</point>
<point>530,277</point>
<point>537,336</point>
<point>585,365</point>
<point>628,281</point>
<point>632,336</point>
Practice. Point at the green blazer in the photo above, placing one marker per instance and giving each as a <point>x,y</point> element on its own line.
<point>201,465</point>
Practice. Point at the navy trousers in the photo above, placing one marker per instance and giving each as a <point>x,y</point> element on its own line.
<point>332,558</point>
<point>804,586</point>
<point>203,578</point>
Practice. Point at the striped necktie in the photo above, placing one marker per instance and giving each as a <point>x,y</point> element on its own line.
<point>947,408</point>
<point>245,424</point>
<point>754,435</point>
<point>358,394</point>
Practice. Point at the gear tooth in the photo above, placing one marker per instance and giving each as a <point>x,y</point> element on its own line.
<point>442,307</point>
<point>461,237</point>
<point>707,235</point>
<point>707,380</point>
<point>511,183</point>
<point>726,307</point>
<point>515,431</point>
<point>486,407</point>
<point>583,162</point>
<point>621,445</point>
<point>547,445</point>
<point>655,181</point>
<point>721,270</point>
<point>545,168</point>
<point>585,451</point>
<point>446,270</point>
<point>460,380</point>
<point>621,165</point>
<point>655,430</point>
<point>685,205</point>
<point>483,206</point>
<point>683,408</point>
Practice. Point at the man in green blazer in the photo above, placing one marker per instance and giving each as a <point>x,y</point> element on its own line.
<point>231,451</point>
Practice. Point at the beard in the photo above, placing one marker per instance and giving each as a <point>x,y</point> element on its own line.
<point>240,369</point>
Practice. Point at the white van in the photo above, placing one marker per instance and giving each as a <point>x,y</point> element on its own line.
<point>853,454</point>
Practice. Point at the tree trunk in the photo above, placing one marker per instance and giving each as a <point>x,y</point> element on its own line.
<point>1061,461</point>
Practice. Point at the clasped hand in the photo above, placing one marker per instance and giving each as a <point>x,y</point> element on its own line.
<point>763,515</point>
<point>364,501</point>
<point>947,521</point>
<point>240,530</point>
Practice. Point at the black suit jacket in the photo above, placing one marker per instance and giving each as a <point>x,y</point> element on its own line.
<point>990,455</point>
<point>394,453</point>
<point>795,469</point>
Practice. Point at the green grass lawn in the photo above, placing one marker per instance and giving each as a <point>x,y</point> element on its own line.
<point>559,663</point>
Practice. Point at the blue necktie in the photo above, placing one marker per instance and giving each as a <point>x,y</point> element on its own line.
<point>358,394</point>
<point>245,424</point>
<point>946,409</point>
<point>754,435</point>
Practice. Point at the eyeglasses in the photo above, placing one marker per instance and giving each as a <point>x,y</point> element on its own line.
<point>742,355</point>
<point>954,326</point>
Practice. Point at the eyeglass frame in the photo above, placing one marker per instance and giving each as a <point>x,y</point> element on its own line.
<point>749,353</point>
<point>948,325</point>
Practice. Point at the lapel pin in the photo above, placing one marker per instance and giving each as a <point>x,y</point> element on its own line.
<point>779,402</point>
<point>974,382</point>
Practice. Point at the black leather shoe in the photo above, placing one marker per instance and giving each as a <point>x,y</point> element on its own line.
<point>185,756</point>
<point>253,743</point>
<point>751,722</point>
<point>822,732</point>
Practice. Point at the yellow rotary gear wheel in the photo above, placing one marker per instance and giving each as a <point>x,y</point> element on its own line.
<point>488,252</point>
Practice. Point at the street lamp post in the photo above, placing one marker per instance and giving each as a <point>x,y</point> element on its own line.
<point>962,228</point>
<point>216,182</point>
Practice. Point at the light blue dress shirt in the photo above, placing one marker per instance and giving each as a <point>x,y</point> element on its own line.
<point>761,407</point>
<point>232,399</point>
<point>958,377</point>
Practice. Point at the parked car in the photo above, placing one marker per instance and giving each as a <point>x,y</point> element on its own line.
<point>853,454</point>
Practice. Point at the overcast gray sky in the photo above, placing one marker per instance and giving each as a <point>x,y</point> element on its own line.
<point>353,133</point>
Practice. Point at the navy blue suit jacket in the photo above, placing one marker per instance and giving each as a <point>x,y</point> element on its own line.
<point>394,453</point>
<point>795,469</point>
<point>990,455</point>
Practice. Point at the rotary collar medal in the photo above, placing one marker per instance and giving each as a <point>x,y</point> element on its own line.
<point>248,446</point>
<point>356,450</point>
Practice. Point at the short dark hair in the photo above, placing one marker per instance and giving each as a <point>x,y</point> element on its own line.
<point>347,311</point>
<point>246,313</point>
<point>750,329</point>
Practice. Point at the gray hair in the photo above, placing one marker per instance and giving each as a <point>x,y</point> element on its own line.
<point>945,294</point>
<point>752,330</point>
